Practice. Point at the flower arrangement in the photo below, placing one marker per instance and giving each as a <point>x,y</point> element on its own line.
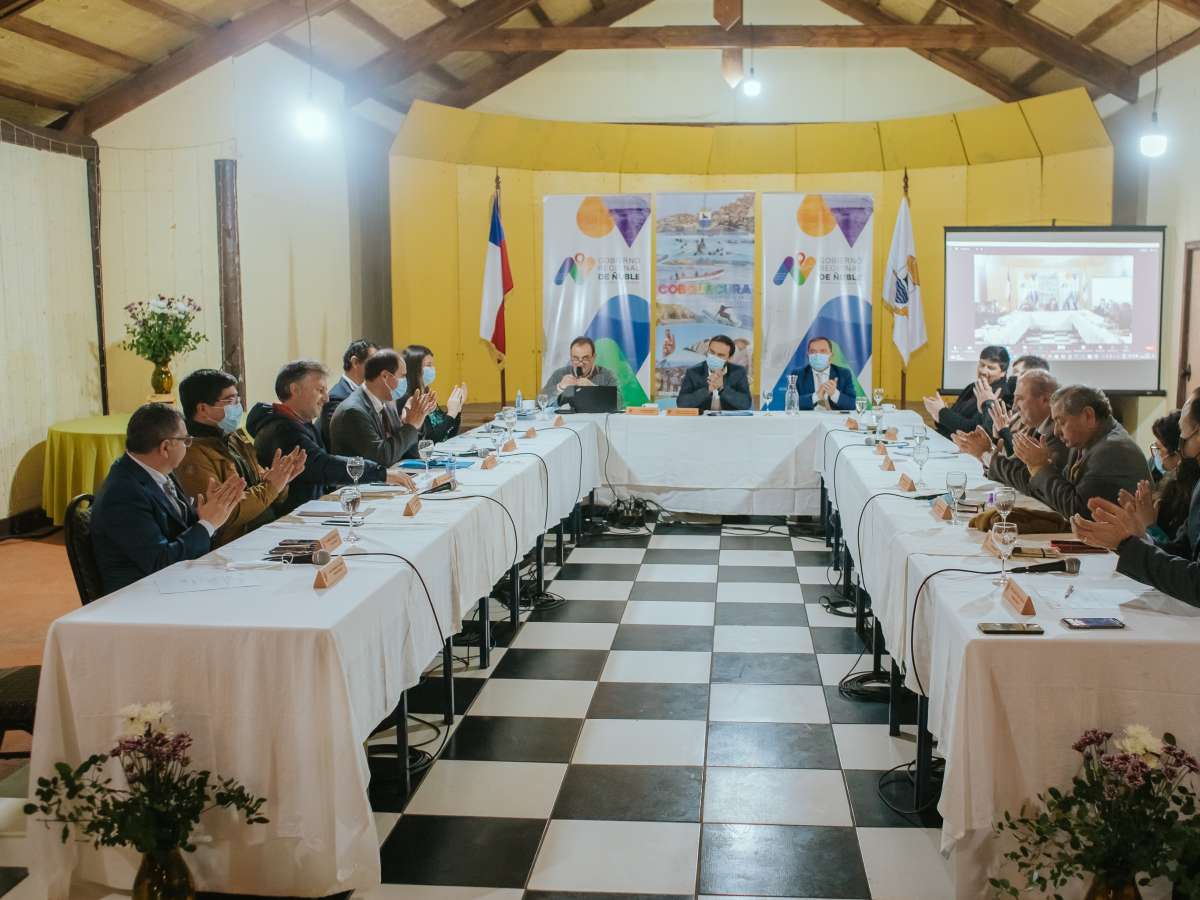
<point>161,329</point>
<point>1130,814</point>
<point>163,800</point>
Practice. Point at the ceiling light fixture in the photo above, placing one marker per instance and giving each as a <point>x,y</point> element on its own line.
<point>1154,142</point>
<point>311,121</point>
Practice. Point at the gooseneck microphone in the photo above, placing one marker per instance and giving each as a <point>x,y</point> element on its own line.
<point>1068,564</point>
<point>317,557</point>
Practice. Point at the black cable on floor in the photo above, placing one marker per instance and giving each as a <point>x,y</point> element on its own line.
<point>910,777</point>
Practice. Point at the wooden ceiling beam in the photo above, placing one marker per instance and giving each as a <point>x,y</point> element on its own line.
<point>13,7</point>
<point>1051,46</point>
<point>61,40</point>
<point>430,46</point>
<point>934,12</point>
<point>1191,7</point>
<point>381,34</point>
<point>712,37</point>
<point>238,36</point>
<point>540,14</point>
<point>35,97</point>
<point>1169,52</point>
<point>951,60</point>
<point>1089,34</point>
<point>447,8</point>
<point>173,14</point>
<point>727,13</point>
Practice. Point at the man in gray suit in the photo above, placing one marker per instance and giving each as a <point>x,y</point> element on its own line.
<point>367,423</point>
<point>1103,458</point>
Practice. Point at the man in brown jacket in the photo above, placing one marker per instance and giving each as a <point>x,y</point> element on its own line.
<point>213,413</point>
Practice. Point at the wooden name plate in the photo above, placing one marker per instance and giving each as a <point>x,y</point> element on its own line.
<point>1017,597</point>
<point>942,509</point>
<point>444,478</point>
<point>907,484</point>
<point>531,433</point>
<point>685,411</point>
<point>489,462</point>
<point>892,434</point>
<point>413,506</point>
<point>331,540</point>
<point>852,424</point>
<point>888,465</point>
<point>331,573</point>
<point>509,446</point>
<point>642,410</point>
<point>559,421</point>
<point>881,450</point>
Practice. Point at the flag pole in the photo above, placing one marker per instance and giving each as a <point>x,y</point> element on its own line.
<point>503,384</point>
<point>903,365</point>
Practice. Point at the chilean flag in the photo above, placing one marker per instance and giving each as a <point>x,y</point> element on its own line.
<point>497,282</point>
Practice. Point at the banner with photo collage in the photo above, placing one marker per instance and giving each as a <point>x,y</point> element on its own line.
<point>704,282</point>
<point>596,274</point>
<point>816,268</point>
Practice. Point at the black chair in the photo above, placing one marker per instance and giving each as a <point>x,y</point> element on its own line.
<point>18,701</point>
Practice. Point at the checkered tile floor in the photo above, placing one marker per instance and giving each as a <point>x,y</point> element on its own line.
<point>673,729</point>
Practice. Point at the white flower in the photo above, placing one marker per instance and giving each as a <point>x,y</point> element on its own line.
<point>139,716</point>
<point>158,305</point>
<point>1140,741</point>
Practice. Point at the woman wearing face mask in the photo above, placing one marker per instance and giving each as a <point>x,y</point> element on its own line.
<point>1175,479</point>
<point>219,449</point>
<point>419,374</point>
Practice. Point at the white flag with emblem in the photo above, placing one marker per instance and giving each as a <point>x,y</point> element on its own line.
<point>902,287</point>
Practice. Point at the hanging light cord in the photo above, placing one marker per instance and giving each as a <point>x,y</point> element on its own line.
<point>1157,12</point>
<point>308,21</point>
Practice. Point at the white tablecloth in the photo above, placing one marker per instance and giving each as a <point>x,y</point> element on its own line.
<point>280,684</point>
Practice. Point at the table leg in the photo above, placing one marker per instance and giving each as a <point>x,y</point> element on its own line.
<point>540,570</point>
<point>560,551</point>
<point>514,608</point>
<point>922,787</point>
<point>402,744</point>
<point>895,686</point>
<point>485,632</point>
<point>825,514</point>
<point>837,541</point>
<point>448,680</point>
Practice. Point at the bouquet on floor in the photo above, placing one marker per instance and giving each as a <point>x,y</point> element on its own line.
<point>1129,817</point>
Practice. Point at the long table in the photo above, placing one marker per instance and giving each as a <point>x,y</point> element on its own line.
<point>280,684</point>
<point>1004,710</point>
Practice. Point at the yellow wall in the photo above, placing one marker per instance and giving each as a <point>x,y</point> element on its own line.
<point>1025,163</point>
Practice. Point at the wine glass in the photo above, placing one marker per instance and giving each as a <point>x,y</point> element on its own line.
<point>543,402</point>
<point>509,416</point>
<point>1004,538</point>
<point>765,399</point>
<point>1005,500</point>
<point>350,498</point>
<point>860,404</point>
<point>355,466</point>
<point>956,484</point>
<point>920,457</point>
<point>425,450</point>
<point>877,397</point>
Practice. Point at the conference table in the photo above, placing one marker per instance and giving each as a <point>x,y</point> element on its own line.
<point>1005,710</point>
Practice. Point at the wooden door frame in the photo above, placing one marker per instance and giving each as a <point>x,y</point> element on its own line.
<point>1185,322</point>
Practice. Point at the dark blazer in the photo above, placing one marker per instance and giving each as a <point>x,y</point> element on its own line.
<point>274,429</point>
<point>1008,469</point>
<point>694,392</point>
<point>806,384</point>
<point>135,530</point>
<point>964,415</point>
<point>1111,462</point>
<point>357,430</point>
<point>1173,568</point>
<point>337,394</point>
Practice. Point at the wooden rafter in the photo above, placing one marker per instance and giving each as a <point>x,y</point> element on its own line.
<point>712,37</point>
<point>1092,32</point>
<point>727,13</point>
<point>540,15</point>
<point>950,60</point>
<point>936,8</point>
<point>385,37</point>
<point>173,14</point>
<point>447,8</point>
<point>234,37</point>
<point>1169,52</point>
<point>13,7</point>
<point>334,71</point>
<point>35,97</point>
<point>1191,7</point>
<point>61,40</point>
<point>430,46</point>
<point>1051,46</point>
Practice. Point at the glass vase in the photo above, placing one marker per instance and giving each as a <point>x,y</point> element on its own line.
<point>161,381</point>
<point>164,876</point>
<point>1113,888</point>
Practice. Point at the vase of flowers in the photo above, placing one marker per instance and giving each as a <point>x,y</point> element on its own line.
<point>1129,817</point>
<point>158,331</point>
<point>157,809</point>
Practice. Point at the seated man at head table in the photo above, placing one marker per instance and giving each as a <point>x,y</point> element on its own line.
<point>1102,460</point>
<point>1173,568</point>
<point>219,449</point>
<point>1031,417</point>
<point>987,398</point>
<point>354,360</point>
<point>715,384</point>
<point>369,422</point>
<point>965,414</point>
<point>582,372</point>
<point>142,521</point>
<point>282,427</point>
<point>821,384</point>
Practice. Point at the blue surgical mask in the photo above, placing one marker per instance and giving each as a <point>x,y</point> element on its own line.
<point>715,363</point>
<point>819,361</point>
<point>427,375</point>
<point>1156,462</point>
<point>232,418</point>
<point>400,389</point>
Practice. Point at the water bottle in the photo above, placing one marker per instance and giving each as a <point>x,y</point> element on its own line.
<point>520,402</point>
<point>791,400</point>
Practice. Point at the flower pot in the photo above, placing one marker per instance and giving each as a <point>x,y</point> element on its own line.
<point>164,876</point>
<point>1119,888</point>
<point>162,380</point>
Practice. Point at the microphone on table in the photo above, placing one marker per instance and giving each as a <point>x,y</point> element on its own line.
<point>317,557</point>
<point>1068,564</point>
<point>579,371</point>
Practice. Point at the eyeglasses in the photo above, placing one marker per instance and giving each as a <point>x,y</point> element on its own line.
<point>581,360</point>
<point>186,440</point>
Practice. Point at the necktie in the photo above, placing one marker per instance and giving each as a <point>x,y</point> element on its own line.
<point>174,499</point>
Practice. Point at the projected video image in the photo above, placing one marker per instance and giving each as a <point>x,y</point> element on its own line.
<point>1053,303</point>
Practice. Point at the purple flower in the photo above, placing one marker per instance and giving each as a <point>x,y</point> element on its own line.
<point>1091,738</point>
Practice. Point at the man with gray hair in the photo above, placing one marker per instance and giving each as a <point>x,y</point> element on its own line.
<point>1103,458</point>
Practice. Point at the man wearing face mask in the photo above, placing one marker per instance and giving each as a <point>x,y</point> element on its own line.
<point>715,384</point>
<point>220,449</point>
<point>368,424</point>
<point>821,384</point>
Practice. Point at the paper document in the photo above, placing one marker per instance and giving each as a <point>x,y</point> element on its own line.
<point>190,581</point>
<point>321,509</point>
<point>1085,598</point>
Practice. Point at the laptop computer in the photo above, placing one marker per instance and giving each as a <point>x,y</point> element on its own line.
<point>594,399</point>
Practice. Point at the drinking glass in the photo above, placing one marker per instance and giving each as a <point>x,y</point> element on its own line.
<point>509,417</point>
<point>1004,537</point>
<point>350,498</point>
<point>1006,499</point>
<point>956,484</point>
<point>355,468</point>
<point>543,402</point>
<point>920,457</point>
<point>860,404</point>
<point>877,397</point>
<point>425,450</point>
<point>765,399</point>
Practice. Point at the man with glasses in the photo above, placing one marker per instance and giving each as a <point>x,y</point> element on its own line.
<point>582,372</point>
<point>142,521</point>
<point>213,411</point>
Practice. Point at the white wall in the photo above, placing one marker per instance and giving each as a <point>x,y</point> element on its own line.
<point>686,85</point>
<point>48,349</point>
<point>159,217</point>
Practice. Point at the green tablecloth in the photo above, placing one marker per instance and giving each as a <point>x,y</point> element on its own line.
<point>78,456</point>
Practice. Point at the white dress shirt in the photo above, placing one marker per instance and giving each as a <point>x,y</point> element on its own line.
<point>168,489</point>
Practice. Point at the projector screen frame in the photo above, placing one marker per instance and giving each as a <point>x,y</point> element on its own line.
<point>1161,230</point>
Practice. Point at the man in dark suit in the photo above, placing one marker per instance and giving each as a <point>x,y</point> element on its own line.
<point>354,360</point>
<point>367,423</point>
<point>284,426</point>
<point>141,519</point>
<point>966,413</point>
<point>717,378</point>
<point>821,384</point>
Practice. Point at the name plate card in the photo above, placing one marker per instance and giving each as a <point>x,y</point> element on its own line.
<point>531,433</point>
<point>331,573</point>
<point>642,411</point>
<point>688,411</point>
<point>888,465</point>
<point>1018,598</point>
<point>892,434</point>
<point>907,484</point>
<point>942,509</point>
<point>509,446</point>
<point>559,421</point>
<point>331,540</point>
<point>444,478</point>
<point>413,506</point>
<point>881,450</point>
<point>852,424</point>
<point>489,462</point>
